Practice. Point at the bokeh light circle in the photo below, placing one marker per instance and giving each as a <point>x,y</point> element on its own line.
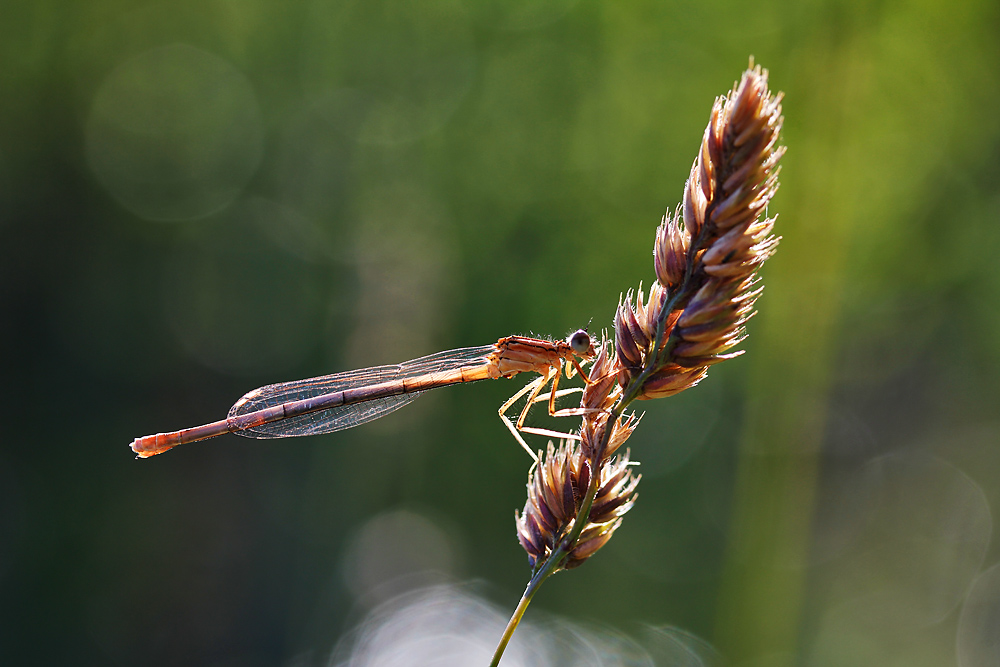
<point>979,624</point>
<point>376,568</point>
<point>398,81</point>
<point>174,133</point>
<point>238,305</point>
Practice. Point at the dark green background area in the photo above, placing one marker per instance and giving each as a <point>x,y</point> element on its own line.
<point>199,198</point>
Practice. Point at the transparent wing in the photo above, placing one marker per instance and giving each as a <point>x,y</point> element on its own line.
<point>347,416</point>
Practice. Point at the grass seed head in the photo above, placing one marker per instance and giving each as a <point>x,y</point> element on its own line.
<point>707,255</point>
<point>555,490</point>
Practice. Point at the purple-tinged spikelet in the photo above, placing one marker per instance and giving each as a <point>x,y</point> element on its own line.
<point>555,490</point>
<point>706,257</point>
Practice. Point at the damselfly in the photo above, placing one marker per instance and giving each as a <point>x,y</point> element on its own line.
<point>343,400</point>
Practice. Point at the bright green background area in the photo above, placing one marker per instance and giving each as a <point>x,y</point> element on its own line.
<point>198,198</point>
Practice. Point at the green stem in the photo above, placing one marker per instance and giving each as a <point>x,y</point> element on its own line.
<point>540,575</point>
<point>550,566</point>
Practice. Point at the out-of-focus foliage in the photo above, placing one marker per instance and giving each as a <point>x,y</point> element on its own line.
<point>197,198</point>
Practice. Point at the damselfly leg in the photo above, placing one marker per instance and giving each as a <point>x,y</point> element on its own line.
<point>534,389</point>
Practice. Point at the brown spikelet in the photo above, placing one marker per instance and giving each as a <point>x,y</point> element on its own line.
<point>603,389</point>
<point>555,490</point>
<point>670,250</point>
<point>592,434</point>
<point>706,257</point>
<point>671,379</point>
<point>599,395</point>
<point>629,347</point>
<point>635,325</point>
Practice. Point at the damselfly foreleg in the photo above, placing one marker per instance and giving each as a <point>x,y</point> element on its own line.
<point>534,389</point>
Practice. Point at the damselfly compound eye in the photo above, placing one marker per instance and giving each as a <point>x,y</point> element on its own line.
<point>579,340</point>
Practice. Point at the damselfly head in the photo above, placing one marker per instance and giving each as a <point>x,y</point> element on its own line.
<point>580,342</point>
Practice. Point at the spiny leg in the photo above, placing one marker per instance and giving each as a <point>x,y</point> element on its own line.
<point>553,374</point>
<point>534,387</point>
<point>572,412</point>
<point>560,394</point>
<point>574,365</point>
<point>568,412</point>
<point>557,393</point>
<point>570,369</point>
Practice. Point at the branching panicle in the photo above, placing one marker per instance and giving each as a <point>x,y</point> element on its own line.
<point>556,488</point>
<point>705,257</point>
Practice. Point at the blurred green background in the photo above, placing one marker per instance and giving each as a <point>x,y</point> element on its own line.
<point>198,198</point>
